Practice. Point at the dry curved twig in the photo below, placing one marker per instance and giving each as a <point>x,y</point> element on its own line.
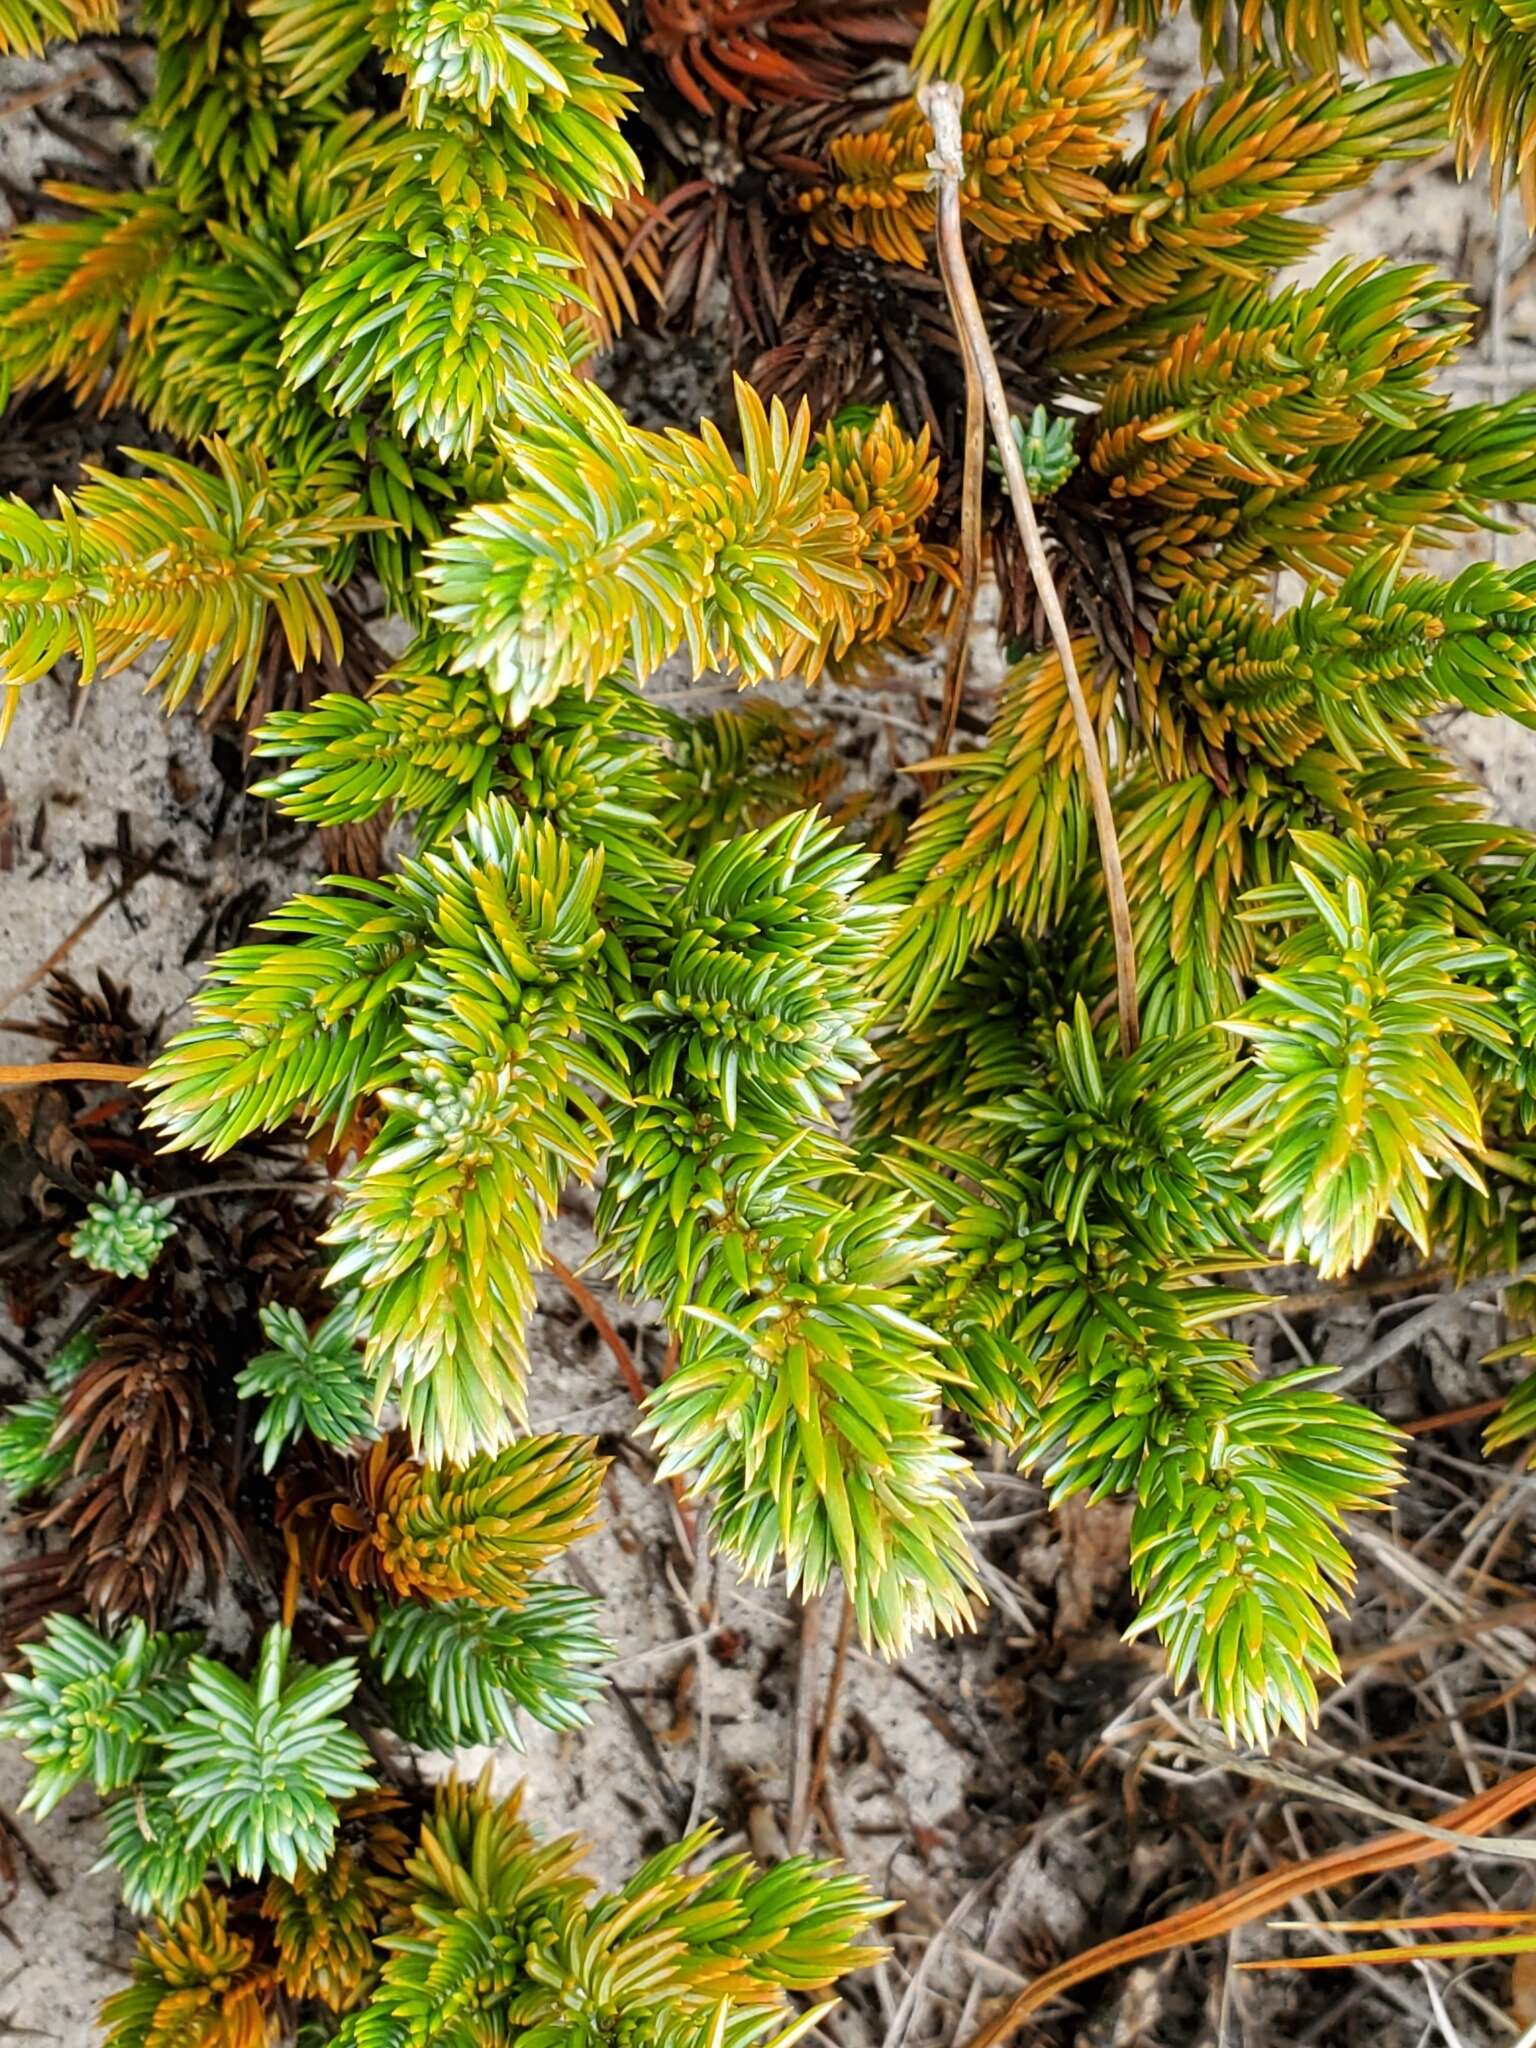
<point>1261,1895</point>
<point>33,1075</point>
<point>941,103</point>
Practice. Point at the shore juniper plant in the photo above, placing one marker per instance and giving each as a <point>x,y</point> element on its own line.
<point>930,1123</point>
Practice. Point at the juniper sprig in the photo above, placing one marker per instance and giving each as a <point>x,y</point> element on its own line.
<point>257,1768</point>
<point>310,1382</point>
<point>122,1232</point>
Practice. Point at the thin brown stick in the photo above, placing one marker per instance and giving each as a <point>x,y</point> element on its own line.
<point>42,1873</point>
<point>941,103</point>
<point>198,1192</point>
<point>805,1692</point>
<point>293,1579</point>
<point>1260,1896</point>
<point>1424,1279</point>
<point>1449,1418</point>
<point>33,1075</point>
<point>598,1317</point>
<point>629,1372</point>
<point>957,657</point>
<point>829,1706</point>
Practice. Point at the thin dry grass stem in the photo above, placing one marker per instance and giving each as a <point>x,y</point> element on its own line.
<point>58,88</point>
<point>1316,1790</point>
<point>1511,1650</point>
<point>1397,1340</point>
<point>1259,1896</point>
<point>901,2024</point>
<point>39,1071</point>
<point>941,103</point>
<point>958,652</point>
<point>1418,1645</point>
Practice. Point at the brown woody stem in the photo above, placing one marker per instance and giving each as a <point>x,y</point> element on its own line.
<point>941,103</point>
<point>801,1762</point>
<point>829,1708</point>
<point>601,1321</point>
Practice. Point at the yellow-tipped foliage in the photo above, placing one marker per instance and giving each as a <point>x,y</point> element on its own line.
<point>480,1531</point>
<point>195,1981</point>
<point>378,241</point>
<point>1040,126</point>
<point>325,1922</point>
<point>187,566</point>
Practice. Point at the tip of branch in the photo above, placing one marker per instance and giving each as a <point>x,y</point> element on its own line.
<point>941,102</point>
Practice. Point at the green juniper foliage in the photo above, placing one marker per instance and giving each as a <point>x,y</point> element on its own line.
<point>258,1767</point>
<point>457,1674</point>
<point>124,1232</point>
<point>309,1382</point>
<point>1516,1421</point>
<point>492,1934</point>
<point>150,1846</point>
<point>251,1772</point>
<point>29,1461</point>
<point>70,1360</point>
<point>1046,449</point>
<point>93,1708</point>
<point>860,1114</point>
<point>257,1777</point>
